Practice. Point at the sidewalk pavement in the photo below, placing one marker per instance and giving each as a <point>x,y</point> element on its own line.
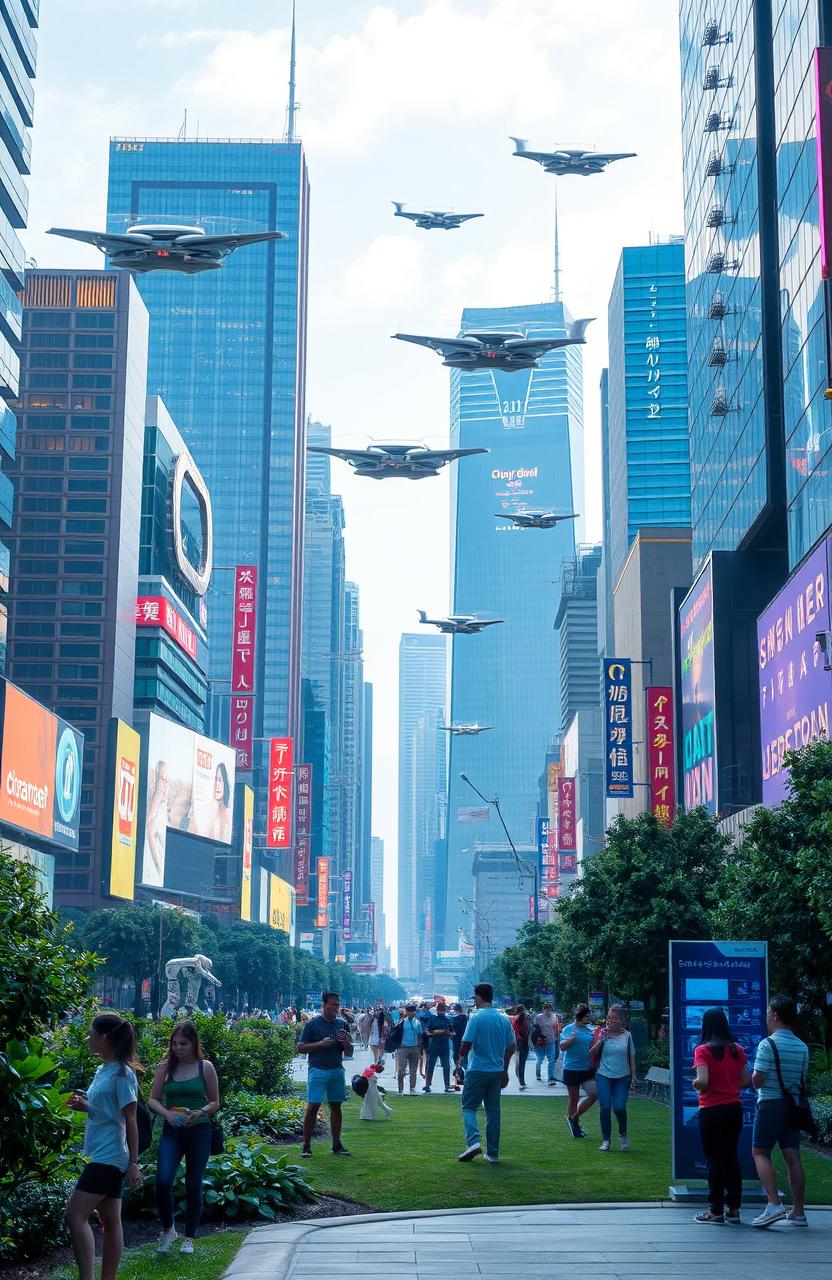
<point>608,1242</point>
<point>363,1057</point>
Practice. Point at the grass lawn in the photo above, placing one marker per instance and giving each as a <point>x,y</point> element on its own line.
<point>410,1161</point>
<point>214,1253</point>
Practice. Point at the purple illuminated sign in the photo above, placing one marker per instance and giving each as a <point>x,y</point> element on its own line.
<point>795,691</point>
<point>699,758</point>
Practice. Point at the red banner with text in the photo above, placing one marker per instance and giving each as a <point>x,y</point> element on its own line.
<point>245,623</point>
<point>661,759</point>
<point>279,826</point>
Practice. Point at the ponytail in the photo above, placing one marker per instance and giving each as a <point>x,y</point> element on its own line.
<point>121,1036</point>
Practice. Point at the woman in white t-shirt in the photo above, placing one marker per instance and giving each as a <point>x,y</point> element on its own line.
<point>615,1055</point>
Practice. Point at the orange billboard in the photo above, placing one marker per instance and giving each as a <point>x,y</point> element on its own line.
<point>40,770</point>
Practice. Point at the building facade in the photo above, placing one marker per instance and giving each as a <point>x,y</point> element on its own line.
<point>576,623</point>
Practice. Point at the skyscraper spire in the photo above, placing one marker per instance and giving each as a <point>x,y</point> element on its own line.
<point>292,110</point>
<point>556,285</point>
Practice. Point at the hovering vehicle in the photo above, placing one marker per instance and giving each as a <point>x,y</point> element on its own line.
<point>435,219</point>
<point>466,730</point>
<point>459,624</point>
<point>409,461</point>
<point>571,160</point>
<point>147,247</point>
<point>535,519</point>
<point>508,351</point>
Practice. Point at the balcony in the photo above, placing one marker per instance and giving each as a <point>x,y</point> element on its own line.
<point>712,36</point>
<point>719,405</point>
<point>716,264</point>
<point>712,80</point>
<point>717,356</point>
<point>714,167</point>
<point>714,122</point>
<point>716,217</point>
<point>717,310</point>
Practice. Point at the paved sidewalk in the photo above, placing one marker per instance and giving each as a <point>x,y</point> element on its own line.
<point>558,1243</point>
<point>363,1057</point>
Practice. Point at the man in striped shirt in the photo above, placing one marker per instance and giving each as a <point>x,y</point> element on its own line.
<point>773,1122</point>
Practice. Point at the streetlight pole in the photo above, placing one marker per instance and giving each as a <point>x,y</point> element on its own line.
<point>495,804</point>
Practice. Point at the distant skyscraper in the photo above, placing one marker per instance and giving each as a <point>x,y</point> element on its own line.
<point>422,675</point>
<point>428,803</point>
<point>508,677</point>
<point>349,765</point>
<point>577,627</point>
<point>363,891</point>
<point>377,897</point>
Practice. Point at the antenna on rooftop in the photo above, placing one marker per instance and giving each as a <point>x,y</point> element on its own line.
<point>556,283</point>
<point>292,109</point>
<point>182,135</point>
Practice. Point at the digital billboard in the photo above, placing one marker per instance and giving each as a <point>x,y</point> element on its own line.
<point>124,835</point>
<point>248,847</point>
<point>281,905</point>
<point>794,687</point>
<point>41,762</point>
<point>190,788</point>
<point>698,688</point>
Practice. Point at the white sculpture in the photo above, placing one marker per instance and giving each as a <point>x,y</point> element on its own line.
<point>196,970</point>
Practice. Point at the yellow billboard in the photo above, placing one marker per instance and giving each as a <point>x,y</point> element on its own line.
<point>125,812</point>
<point>248,845</point>
<point>281,905</point>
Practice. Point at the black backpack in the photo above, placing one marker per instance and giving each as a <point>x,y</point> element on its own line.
<point>144,1124</point>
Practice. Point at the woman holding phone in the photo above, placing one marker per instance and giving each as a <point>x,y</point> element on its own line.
<point>615,1056</point>
<point>721,1071</point>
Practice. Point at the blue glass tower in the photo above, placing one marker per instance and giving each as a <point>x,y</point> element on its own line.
<point>508,677</point>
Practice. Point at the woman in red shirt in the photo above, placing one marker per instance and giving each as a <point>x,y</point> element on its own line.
<point>721,1071</point>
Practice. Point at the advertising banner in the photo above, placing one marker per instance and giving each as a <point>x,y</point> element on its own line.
<point>706,975</point>
<point>322,917</point>
<point>371,921</point>
<point>156,611</point>
<point>248,848</point>
<point>823,116</point>
<point>244,628</point>
<point>303,831</point>
<point>242,730</point>
<point>347,916</point>
<point>542,844</point>
<point>618,727</point>
<point>41,763</point>
<point>190,787</point>
<point>595,1000</point>
<point>566,815</point>
<point>124,835</point>
<point>696,630</point>
<point>279,828</point>
<point>661,754</point>
<point>568,863</point>
<point>794,688</point>
<point>281,906</point>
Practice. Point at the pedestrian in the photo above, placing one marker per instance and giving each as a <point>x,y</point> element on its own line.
<point>486,1052</point>
<point>365,1025</point>
<point>325,1037</point>
<point>615,1057</point>
<point>522,1040</point>
<point>578,1068</point>
<point>406,1039</point>
<point>545,1041</point>
<point>437,1039</point>
<point>721,1071</point>
<point>378,1034</point>
<point>111,1142</point>
<point>779,1076</point>
<point>459,1022</point>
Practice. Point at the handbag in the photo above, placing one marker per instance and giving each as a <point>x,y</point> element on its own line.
<point>217,1131</point>
<point>799,1111</point>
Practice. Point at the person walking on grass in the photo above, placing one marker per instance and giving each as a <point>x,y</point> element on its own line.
<point>780,1068</point>
<point>486,1051</point>
<point>522,1041</point>
<point>459,1022</point>
<point>578,1068</point>
<point>406,1040</point>
<point>437,1039</point>
<point>185,1094</point>
<point>326,1039</point>
<point>378,1034</point>
<point>545,1041</point>
<point>111,1142</point>
<point>721,1071</point>
<point>614,1054</point>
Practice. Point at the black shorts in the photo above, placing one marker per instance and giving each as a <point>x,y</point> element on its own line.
<point>573,1078</point>
<point>101,1180</point>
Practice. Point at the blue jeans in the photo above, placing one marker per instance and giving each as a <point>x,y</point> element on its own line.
<point>439,1053</point>
<point>482,1087</point>
<point>194,1143</point>
<point>546,1053</point>
<point>612,1096</point>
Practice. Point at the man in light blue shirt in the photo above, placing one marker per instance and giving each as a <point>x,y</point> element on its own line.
<point>485,1054</point>
<point>409,1049</point>
<point>774,1122</point>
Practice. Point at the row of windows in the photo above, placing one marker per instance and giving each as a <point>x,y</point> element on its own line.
<point>61,360</point>
<point>60,341</point>
<point>62,319</point>
<point>61,381</point>
<point>37,400</point>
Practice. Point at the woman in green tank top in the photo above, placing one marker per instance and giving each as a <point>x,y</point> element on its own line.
<point>186,1095</point>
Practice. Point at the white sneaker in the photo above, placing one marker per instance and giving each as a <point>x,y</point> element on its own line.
<point>797,1220</point>
<point>624,1143</point>
<point>771,1213</point>
<point>605,1146</point>
<point>187,1246</point>
<point>475,1149</point>
<point>491,1160</point>
<point>165,1241</point>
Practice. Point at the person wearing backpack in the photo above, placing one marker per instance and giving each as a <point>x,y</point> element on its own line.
<point>111,1142</point>
<point>186,1094</point>
<point>779,1075</point>
<point>615,1056</point>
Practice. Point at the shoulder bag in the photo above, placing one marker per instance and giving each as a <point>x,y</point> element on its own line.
<point>217,1131</point>
<point>798,1109</point>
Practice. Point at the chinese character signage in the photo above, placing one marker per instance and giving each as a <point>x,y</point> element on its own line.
<point>322,918</point>
<point>156,611</point>
<point>696,632</point>
<point>303,831</point>
<point>652,347</point>
<point>248,847</point>
<point>347,918</point>
<point>279,825</point>
<point>244,622</point>
<point>618,728</point>
<point>242,730</point>
<point>661,759</point>
<point>823,115</point>
<point>566,815</point>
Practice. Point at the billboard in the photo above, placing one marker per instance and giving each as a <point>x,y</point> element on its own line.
<point>661,757</point>
<point>566,815</point>
<point>794,688</point>
<point>823,116</point>
<point>705,975</point>
<point>281,905</point>
<point>279,829</point>
<point>190,788</point>
<point>244,628</point>
<point>698,689</point>
<point>347,916</point>
<point>156,611</point>
<point>303,831</point>
<point>124,835</point>
<point>248,847</point>
<point>322,917</point>
<point>618,728</point>
<point>41,763</point>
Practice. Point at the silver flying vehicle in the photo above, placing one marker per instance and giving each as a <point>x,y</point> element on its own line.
<point>535,519</point>
<point>458,624</point>
<point>435,219</point>
<point>152,247</point>
<point>408,461</point>
<point>571,160</point>
<point>508,351</point>
<point>466,730</point>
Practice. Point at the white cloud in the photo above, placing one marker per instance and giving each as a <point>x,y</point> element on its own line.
<point>389,271</point>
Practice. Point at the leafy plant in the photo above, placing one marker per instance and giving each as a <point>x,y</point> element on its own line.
<point>822,1111</point>
<point>820,1085</point>
<point>656,1053</point>
<point>276,1119</point>
<point>37,1126</point>
<point>32,1218</point>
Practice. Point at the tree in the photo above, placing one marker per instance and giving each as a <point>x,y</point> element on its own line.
<point>136,941</point>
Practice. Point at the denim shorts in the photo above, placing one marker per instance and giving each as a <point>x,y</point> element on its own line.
<point>772,1126</point>
<point>326,1086</point>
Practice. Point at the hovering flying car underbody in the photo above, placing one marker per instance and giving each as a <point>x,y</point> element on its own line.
<point>459,624</point>
<point>535,519</point>
<point>571,160</point>
<point>408,461</point>
<point>149,247</point>
<point>466,730</point>
<point>435,219</point>
<point>508,351</point>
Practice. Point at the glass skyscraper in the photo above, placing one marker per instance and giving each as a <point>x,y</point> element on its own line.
<point>508,676</point>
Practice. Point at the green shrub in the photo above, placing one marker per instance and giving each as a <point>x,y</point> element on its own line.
<point>275,1119</point>
<point>655,1054</point>
<point>32,1219</point>
<point>38,1126</point>
<point>821,1084</point>
<point>822,1111</point>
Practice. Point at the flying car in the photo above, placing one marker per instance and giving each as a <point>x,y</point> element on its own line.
<point>435,219</point>
<point>458,624</point>
<point>508,351</point>
<point>466,730</point>
<point>535,519</point>
<point>571,160</point>
<point>409,461</point>
<point>147,247</point>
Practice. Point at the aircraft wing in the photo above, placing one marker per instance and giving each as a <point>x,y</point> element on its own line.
<point>357,456</point>
<point>522,150</point>
<point>608,156</point>
<point>438,456</point>
<point>102,240</point>
<point>465,217</point>
<point>492,622</point>
<point>576,332</point>
<point>229,242</point>
<point>402,213</point>
<point>447,346</point>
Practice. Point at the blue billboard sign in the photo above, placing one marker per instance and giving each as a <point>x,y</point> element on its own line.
<point>618,729</point>
<point>706,975</point>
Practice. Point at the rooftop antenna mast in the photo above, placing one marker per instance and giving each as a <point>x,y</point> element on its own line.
<point>556,284</point>
<point>292,109</point>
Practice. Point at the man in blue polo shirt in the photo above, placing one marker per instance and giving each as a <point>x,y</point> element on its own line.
<point>486,1052</point>
<point>326,1038</point>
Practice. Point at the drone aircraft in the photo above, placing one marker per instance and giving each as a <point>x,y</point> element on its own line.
<point>507,351</point>
<point>435,219</point>
<point>535,519</point>
<point>571,160</point>
<point>466,730</point>
<point>147,247</point>
<point>408,461</point>
<point>458,624</point>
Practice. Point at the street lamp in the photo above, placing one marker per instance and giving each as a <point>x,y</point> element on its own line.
<point>521,863</point>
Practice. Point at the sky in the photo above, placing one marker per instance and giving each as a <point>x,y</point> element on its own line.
<point>410,100</point>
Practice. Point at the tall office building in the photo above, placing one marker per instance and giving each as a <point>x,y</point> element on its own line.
<point>422,676</point>
<point>349,763</point>
<point>508,677</point>
<point>428,801</point>
<point>577,626</point>
<point>377,896</point>
<point>19,54</point>
<point>364,859</point>
<point>228,356</point>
